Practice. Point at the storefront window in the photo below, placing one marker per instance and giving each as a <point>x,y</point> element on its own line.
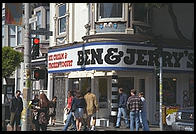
<point>127,83</point>
<point>103,90</point>
<point>169,91</point>
<point>85,83</point>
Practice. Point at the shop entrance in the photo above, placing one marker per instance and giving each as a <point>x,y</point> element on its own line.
<point>59,91</point>
<point>103,98</point>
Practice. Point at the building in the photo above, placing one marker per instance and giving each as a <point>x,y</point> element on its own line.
<point>109,45</point>
<point>14,36</point>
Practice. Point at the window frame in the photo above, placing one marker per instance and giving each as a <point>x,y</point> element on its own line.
<point>64,16</point>
<point>12,36</point>
<point>122,19</point>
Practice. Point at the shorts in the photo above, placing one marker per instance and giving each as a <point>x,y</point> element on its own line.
<point>14,118</point>
<point>79,113</point>
<point>92,116</point>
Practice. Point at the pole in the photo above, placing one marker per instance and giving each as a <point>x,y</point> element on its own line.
<point>26,114</point>
<point>160,91</point>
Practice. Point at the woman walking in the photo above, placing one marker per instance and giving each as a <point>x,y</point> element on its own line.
<point>80,106</point>
<point>43,112</point>
<point>52,110</point>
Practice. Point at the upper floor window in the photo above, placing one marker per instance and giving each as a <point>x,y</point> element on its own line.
<point>19,35</point>
<point>47,22</point>
<point>62,19</point>
<point>3,35</point>
<point>39,22</point>
<point>12,35</point>
<point>110,11</point>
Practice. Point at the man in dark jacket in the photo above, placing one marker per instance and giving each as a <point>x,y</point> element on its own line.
<point>16,107</point>
<point>122,101</point>
<point>134,105</point>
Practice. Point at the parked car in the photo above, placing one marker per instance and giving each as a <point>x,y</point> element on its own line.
<point>184,120</point>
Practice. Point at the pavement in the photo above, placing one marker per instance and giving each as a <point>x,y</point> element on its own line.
<point>59,127</point>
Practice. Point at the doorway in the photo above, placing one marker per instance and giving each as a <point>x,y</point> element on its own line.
<point>103,98</point>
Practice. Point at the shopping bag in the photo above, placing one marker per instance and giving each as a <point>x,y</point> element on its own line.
<point>65,115</point>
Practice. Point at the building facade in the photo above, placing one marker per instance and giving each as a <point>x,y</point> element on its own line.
<point>13,36</point>
<point>110,45</point>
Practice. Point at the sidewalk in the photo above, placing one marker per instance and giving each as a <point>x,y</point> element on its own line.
<point>59,127</point>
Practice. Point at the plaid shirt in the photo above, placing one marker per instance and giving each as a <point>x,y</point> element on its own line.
<point>134,103</point>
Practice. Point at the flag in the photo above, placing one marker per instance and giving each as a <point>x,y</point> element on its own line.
<point>13,14</point>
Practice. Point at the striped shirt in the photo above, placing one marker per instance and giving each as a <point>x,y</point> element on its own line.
<point>134,103</point>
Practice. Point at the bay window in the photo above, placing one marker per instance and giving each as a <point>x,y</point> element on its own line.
<point>110,11</point>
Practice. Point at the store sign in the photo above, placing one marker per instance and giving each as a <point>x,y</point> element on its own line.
<point>117,56</point>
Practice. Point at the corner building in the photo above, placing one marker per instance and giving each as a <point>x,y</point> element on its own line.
<point>109,45</point>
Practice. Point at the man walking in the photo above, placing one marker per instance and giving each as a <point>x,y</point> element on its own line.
<point>91,108</point>
<point>16,107</point>
<point>143,118</point>
<point>122,110</point>
<point>134,105</point>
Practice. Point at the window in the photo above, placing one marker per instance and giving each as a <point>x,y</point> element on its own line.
<point>62,19</point>
<point>169,91</point>
<point>142,14</point>
<point>110,11</point>
<point>3,35</point>
<point>47,22</point>
<point>12,35</point>
<point>19,35</point>
<point>126,83</point>
<point>39,22</point>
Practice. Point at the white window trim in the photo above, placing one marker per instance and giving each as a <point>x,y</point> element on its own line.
<point>109,19</point>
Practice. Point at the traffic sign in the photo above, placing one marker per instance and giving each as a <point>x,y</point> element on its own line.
<point>33,19</point>
<point>41,32</point>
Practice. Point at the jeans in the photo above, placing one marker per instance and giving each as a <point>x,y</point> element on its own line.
<point>70,119</point>
<point>143,120</point>
<point>134,118</point>
<point>120,112</point>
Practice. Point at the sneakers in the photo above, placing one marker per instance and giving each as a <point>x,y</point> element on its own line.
<point>93,128</point>
<point>117,126</point>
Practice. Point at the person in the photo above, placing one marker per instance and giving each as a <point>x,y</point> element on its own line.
<point>134,105</point>
<point>91,108</point>
<point>80,106</point>
<point>70,110</point>
<point>122,110</point>
<point>16,107</point>
<point>52,110</point>
<point>143,117</point>
<point>43,108</point>
<point>35,114</point>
